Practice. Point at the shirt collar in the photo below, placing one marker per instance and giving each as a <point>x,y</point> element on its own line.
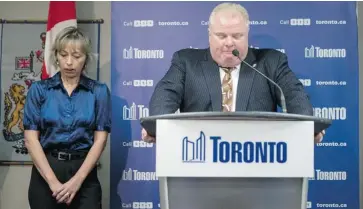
<point>237,68</point>
<point>84,81</point>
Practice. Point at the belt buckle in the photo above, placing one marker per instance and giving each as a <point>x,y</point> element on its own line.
<point>64,156</point>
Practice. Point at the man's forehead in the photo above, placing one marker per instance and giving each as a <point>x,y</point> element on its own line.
<point>232,25</point>
<point>230,21</point>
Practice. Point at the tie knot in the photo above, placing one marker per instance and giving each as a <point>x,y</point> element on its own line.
<point>228,69</point>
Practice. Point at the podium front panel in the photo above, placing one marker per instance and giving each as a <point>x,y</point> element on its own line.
<point>220,148</point>
<point>232,193</point>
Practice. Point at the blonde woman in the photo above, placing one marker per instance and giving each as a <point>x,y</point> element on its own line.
<point>66,122</point>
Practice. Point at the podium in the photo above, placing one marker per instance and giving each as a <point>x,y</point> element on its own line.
<point>238,160</point>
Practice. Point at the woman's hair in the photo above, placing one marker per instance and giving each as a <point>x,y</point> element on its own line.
<point>71,35</point>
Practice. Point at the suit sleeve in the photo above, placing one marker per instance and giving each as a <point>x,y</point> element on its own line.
<point>168,94</point>
<point>297,100</point>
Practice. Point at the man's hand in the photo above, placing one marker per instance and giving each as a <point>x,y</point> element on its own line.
<point>146,138</point>
<point>319,137</point>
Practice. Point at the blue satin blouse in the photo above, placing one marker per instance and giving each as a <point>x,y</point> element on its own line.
<point>67,122</point>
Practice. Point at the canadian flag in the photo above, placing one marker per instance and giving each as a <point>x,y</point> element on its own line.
<point>61,14</point>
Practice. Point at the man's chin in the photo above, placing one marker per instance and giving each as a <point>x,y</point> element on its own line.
<point>232,62</point>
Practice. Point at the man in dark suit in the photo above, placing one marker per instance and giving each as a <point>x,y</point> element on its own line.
<point>214,79</point>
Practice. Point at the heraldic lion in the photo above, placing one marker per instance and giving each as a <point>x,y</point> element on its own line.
<point>17,96</point>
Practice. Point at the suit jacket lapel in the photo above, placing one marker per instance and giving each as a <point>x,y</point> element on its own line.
<point>213,80</point>
<point>245,81</point>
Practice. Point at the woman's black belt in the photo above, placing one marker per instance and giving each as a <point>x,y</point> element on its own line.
<point>61,155</point>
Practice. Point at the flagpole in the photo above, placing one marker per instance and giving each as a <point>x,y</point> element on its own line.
<point>35,21</point>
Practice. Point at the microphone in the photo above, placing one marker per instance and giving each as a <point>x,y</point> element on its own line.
<point>235,52</point>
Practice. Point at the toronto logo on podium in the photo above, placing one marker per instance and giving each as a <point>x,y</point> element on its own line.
<point>237,151</point>
<point>194,150</point>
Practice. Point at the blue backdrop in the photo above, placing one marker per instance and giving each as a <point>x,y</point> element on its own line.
<point>320,39</point>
